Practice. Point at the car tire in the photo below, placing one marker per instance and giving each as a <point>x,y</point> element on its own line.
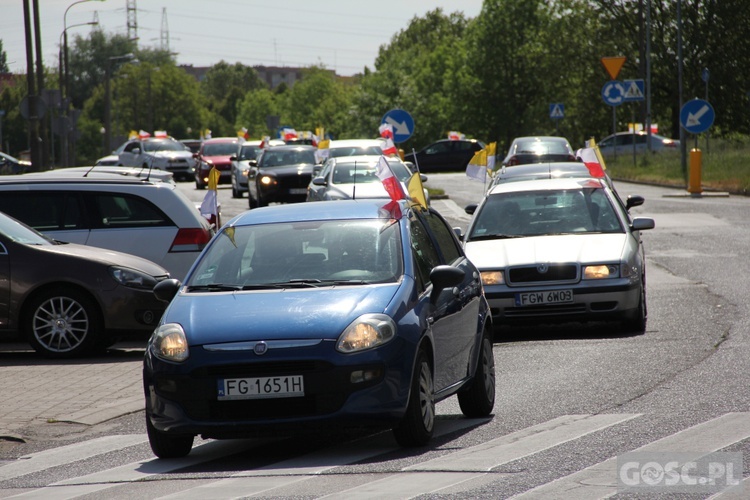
<point>235,192</point>
<point>417,425</point>
<point>198,185</point>
<point>251,202</point>
<point>637,322</point>
<point>478,399</point>
<point>63,323</point>
<point>166,445</point>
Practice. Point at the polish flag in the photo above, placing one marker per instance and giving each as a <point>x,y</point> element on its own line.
<point>390,182</point>
<point>590,158</point>
<point>386,130</point>
<point>390,149</point>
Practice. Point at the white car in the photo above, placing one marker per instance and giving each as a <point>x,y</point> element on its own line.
<point>247,152</point>
<point>565,249</point>
<point>163,153</point>
<point>147,218</point>
<point>347,177</point>
<point>622,143</point>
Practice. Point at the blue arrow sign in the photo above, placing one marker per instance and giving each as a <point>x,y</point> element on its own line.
<point>557,111</point>
<point>403,124</point>
<point>635,90</point>
<point>696,116</point>
<point>613,93</point>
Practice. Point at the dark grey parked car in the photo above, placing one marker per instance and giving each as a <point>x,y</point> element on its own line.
<point>70,300</point>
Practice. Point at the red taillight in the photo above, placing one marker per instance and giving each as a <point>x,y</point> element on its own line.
<point>669,144</point>
<point>190,240</point>
<point>512,161</point>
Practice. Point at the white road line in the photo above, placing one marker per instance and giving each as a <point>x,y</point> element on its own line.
<point>470,463</point>
<point>306,467</point>
<point>600,480</point>
<point>54,457</point>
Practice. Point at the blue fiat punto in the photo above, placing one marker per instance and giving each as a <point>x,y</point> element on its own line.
<point>320,314</point>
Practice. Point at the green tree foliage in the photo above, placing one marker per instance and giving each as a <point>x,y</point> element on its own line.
<point>254,108</point>
<point>224,87</point>
<point>3,60</point>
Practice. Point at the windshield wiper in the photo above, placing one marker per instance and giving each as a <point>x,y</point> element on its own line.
<point>293,283</point>
<point>214,287</point>
<point>495,236</point>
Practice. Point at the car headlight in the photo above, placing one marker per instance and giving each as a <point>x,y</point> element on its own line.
<point>602,271</point>
<point>366,332</point>
<point>267,180</point>
<point>492,278</point>
<point>169,343</point>
<point>132,278</point>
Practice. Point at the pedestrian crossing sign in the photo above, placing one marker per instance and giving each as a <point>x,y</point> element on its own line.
<point>634,90</point>
<point>556,111</point>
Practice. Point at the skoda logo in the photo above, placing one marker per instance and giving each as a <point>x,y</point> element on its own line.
<point>260,348</point>
<point>542,268</point>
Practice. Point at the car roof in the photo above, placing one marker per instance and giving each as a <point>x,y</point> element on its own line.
<point>344,143</point>
<point>222,139</point>
<point>319,210</point>
<point>545,169</point>
<point>104,170</point>
<point>569,183</point>
<point>542,138</point>
<point>75,177</point>
<point>363,159</point>
<point>293,147</point>
<point>252,143</point>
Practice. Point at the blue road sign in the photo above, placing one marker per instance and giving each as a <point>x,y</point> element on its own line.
<point>696,116</point>
<point>403,124</point>
<point>557,111</point>
<point>635,90</point>
<point>613,93</point>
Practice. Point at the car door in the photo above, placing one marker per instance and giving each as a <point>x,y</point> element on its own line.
<point>131,154</point>
<point>4,286</point>
<point>455,312</point>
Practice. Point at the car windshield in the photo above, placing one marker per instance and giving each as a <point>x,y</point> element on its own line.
<point>301,254</point>
<point>542,147</point>
<point>165,145</point>
<point>249,152</point>
<point>20,233</point>
<point>220,149</point>
<point>354,151</point>
<point>287,157</point>
<point>538,213</point>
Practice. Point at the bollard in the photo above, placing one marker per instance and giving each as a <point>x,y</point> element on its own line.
<point>694,183</point>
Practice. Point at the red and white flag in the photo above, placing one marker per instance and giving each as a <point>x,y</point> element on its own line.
<point>591,158</point>
<point>389,149</point>
<point>386,130</point>
<point>390,182</point>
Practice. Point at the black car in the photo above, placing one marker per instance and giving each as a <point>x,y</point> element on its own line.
<point>447,155</point>
<point>10,165</point>
<point>281,175</point>
<point>524,150</point>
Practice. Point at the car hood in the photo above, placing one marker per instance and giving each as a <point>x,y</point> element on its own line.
<point>172,154</point>
<point>309,313</point>
<point>107,257</point>
<point>583,248</point>
<point>284,170</point>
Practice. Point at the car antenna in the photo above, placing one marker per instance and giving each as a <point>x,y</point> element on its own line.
<point>354,182</point>
<point>89,170</point>
<point>414,154</point>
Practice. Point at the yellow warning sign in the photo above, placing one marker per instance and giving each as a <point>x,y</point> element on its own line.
<point>613,65</point>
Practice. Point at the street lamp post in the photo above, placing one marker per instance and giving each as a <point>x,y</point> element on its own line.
<point>66,84</point>
<point>108,102</point>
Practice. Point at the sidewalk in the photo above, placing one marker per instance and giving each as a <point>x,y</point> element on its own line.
<point>36,391</point>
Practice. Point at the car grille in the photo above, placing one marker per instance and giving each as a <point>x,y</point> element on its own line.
<point>542,311</point>
<point>326,389</point>
<point>549,274</point>
<point>294,181</point>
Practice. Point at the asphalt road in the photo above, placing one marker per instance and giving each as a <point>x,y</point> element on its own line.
<point>569,399</point>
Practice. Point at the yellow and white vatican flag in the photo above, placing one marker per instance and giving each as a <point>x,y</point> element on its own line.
<point>477,167</point>
<point>321,154</point>
<point>210,204</point>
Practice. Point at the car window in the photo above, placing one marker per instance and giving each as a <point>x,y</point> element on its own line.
<point>352,173</point>
<point>444,237</point>
<point>625,139</point>
<point>438,148</point>
<point>355,151</point>
<point>249,152</point>
<point>220,149</point>
<point>280,158</point>
<point>163,145</point>
<point>360,250</point>
<point>130,147</point>
<point>123,210</point>
<point>423,250</point>
<point>43,210</point>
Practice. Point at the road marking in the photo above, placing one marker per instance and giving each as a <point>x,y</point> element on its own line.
<point>600,480</point>
<point>42,460</point>
<point>474,462</point>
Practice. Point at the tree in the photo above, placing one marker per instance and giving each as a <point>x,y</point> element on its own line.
<point>4,68</point>
<point>254,108</point>
<point>224,87</point>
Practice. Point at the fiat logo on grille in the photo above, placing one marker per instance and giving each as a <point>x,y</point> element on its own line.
<point>260,348</point>
<point>542,268</point>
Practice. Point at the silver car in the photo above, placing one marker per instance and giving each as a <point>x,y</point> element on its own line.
<point>565,249</point>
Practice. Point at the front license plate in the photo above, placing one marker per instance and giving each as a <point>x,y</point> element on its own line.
<point>298,191</point>
<point>290,386</point>
<point>542,298</point>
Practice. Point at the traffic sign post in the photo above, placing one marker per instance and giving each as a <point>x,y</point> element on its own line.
<point>557,113</point>
<point>402,122</point>
<point>612,93</point>
<point>696,116</point>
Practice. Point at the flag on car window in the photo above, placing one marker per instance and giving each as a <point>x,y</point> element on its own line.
<point>477,167</point>
<point>592,158</point>
<point>390,182</point>
<point>416,189</point>
<point>210,204</point>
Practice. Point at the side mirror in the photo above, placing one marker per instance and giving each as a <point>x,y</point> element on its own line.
<point>634,201</point>
<point>470,209</point>
<point>443,277</point>
<point>319,181</point>
<point>167,289</point>
<point>641,223</point>
<point>423,177</point>
<point>317,169</point>
<point>136,151</point>
<point>459,233</point>
<point>253,163</point>
<point>233,158</point>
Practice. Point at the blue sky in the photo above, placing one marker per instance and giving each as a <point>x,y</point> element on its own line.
<point>343,35</point>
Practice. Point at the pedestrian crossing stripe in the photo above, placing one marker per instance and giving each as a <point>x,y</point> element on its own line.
<point>466,468</point>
